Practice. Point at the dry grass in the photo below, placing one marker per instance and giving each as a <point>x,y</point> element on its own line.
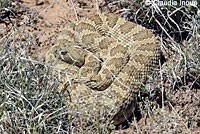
<point>29,103</point>
<point>167,110</point>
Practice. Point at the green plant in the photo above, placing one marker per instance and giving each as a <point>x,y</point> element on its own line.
<point>4,6</point>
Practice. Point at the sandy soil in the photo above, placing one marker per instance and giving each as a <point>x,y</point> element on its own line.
<point>41,20</point>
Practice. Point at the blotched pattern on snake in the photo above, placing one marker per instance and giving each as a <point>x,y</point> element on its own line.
<point>106,59</point>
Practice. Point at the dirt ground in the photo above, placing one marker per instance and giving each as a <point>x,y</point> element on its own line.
<point>44,19</point>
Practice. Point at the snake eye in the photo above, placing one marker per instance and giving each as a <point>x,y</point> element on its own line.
<point>63,53</point>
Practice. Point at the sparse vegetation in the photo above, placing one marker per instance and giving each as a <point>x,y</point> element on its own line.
<point>5,7</point>
<point>29,102</point>
<point>4,4</point>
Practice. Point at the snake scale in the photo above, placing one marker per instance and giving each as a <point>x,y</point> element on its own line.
<point>104,60</point>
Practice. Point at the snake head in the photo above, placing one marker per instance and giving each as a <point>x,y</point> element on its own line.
<point>73,55</point>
